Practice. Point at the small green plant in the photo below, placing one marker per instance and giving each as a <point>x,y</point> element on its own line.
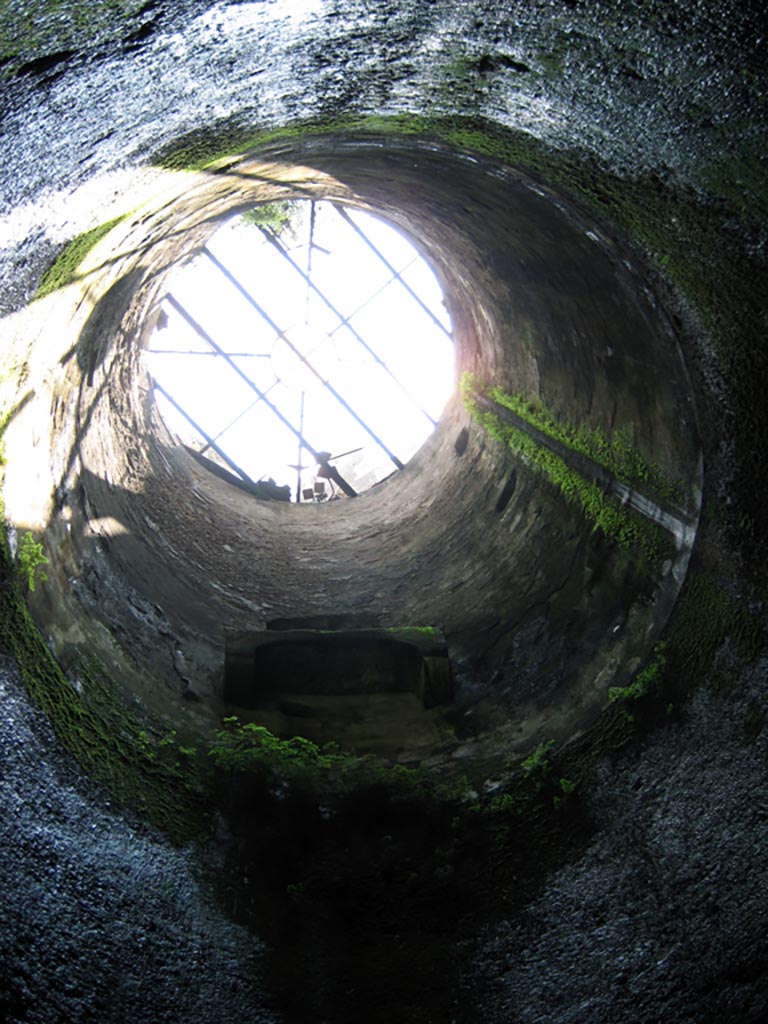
<point>275,216</point>
<point>537,763</point>
<point>567,788</point>
<point>166,751</point>
<point>326,773</point>
<point>646,681</point>
<point>501,803</point>
<point>29,558</point>
<point>145,745</point>
<point>295,890</point>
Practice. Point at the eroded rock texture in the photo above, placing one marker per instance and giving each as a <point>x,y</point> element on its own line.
<point>577,174</point>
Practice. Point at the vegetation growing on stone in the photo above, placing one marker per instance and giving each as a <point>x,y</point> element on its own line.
<point>326,773</point>
<point>616,452</point>
<point>108,740</point>
<point>538,762</point>
<point>708,624</point>
<point>276,216</point>
<point>689,239</point>
<point>64,269</point>
<point>706,621</point>
<point>618,522</point>
<point>414,634</point>
<point>103,735</point>
<point>646,680</point>
<point>567,789</point>
<point>213,148</point>
<point>30,557</point>
<point>35,36</point>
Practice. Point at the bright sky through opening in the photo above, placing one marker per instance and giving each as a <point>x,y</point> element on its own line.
<point>394,386</point>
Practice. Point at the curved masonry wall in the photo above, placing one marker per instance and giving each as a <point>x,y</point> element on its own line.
<point>638,895</point>
<point>542,614</point>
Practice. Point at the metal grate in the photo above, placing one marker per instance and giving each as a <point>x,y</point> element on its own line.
<point>320,333</point>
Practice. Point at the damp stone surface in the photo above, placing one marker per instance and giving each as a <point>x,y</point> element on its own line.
<point>576,830</point>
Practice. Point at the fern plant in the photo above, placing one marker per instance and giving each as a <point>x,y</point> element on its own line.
<point>29,559</point>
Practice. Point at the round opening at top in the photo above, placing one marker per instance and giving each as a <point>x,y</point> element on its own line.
<point>306,346</point>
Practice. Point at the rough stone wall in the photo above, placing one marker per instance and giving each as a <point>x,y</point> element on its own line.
<point>663,915</point>
<point>100,919</point>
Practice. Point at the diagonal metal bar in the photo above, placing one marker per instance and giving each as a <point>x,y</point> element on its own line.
<point>273,240</point>
<point>247,409</point>
<point>342,401</point>
<point>231,424</point>
<point>210,355</point>
<point>210,442</point>
<point>202,333</point>
<point>345,321</point>
<point>310,251</point>
<point>417,298</point>
<point>299,466</point>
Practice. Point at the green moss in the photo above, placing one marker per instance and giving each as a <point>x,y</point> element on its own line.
<point>615,453</point>
<point>538,761</point>
<point>706,621</point>
<point>101,732</point>
<point>551,57</point>
<point>620,523</point>
<point>417,633</point>
<point>324,774</point>
<point>646,681</point>
<point>212,148</point>
<point>710,639</point>
<point>47,28</point>
<point>63,271</point>
<point>738,179</point>
<point>276,216</point>
<point>113,746</point>
<point>459,68</point>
